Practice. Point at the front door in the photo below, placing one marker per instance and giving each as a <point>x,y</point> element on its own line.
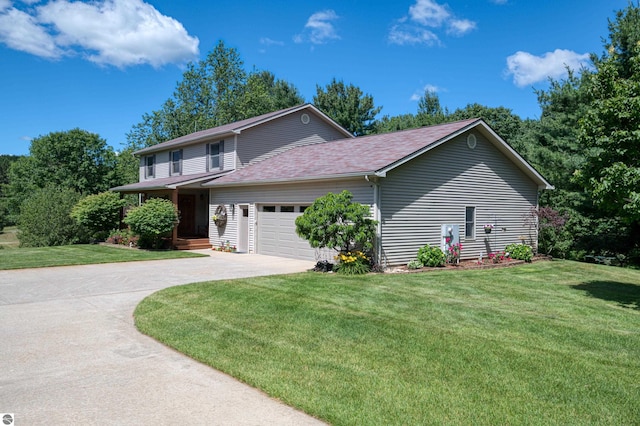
<point>187,207</point>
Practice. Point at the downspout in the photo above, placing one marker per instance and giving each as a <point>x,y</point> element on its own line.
<point>376,217</point>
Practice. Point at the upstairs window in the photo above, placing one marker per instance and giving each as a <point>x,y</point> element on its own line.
<point>470,222</point>
<point>176,162</point>
<point>215,155</point>
<point>149,166</point>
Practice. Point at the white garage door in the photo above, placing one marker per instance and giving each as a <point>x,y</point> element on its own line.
<point>277,233</point>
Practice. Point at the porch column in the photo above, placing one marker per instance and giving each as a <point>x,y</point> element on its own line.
<point>174,234</point>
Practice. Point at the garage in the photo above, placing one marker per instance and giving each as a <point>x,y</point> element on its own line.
<point>277,232</point>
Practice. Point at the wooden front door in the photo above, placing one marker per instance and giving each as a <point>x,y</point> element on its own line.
<point>187,207</point>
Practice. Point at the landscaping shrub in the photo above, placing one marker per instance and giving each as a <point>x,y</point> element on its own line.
<point>123,237</point>
<point>431,256</point>
<point>414,264</point>
<point>152,221</point>
<point>45,219</point>
<point>352,263</point>
<point>334,221</point>
<point>520,252</point>
<point>99,213</point>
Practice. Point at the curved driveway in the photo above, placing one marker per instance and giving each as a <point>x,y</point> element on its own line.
<point>70,354</point>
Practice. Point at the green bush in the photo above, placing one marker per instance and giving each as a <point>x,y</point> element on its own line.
<point>152,221</point>
<point>352,263</point>
<point>431,256</point>
<point>414,264</point>
<point>99,213</point>
<point>45,219</point>
<point>520,252</point>
<point>334,221</point>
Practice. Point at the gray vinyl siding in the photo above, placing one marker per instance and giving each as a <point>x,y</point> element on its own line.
<point>434,189</point>
<point>271,138</point>
<point>296,194</point>
<point>194,159</point>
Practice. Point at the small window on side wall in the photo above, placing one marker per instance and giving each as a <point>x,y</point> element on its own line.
<point>149,166</point>
<point>470,222</point>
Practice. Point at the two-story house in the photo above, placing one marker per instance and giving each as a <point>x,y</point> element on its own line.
<point>451,182</point>
<point>176,169</point>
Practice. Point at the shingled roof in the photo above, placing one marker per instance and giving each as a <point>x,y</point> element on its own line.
<point>365,155</point>
<point>236,128</point>
<point>169,183</point>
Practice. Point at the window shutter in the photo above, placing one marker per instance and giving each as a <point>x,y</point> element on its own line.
<point>207,159</point>
<point>221,151</point>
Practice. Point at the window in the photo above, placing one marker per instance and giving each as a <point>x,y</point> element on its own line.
<point>269,209</point>
<point>303,208</point>
<point>470,222</point>
<point>149,166</point>
<point>215,155</point>
<point>176,162</point>
<point>286,209</point>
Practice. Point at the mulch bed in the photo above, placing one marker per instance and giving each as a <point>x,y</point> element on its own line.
<point>470,264</point>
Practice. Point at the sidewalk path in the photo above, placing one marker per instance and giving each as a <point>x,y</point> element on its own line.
<point>70,354</point>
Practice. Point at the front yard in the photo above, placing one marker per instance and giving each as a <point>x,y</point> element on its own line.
<point>80,254</point>
<point>544,343</point>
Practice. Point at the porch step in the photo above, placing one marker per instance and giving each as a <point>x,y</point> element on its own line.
<point>192,243</point>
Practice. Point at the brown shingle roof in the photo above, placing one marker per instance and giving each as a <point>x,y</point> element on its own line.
<point>345,157</point>
<point>168,183</point>
<point>231,128</point>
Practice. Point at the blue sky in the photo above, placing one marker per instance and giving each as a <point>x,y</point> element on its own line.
<point>100,65</point>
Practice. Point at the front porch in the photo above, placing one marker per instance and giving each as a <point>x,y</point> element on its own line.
<point>192,243</point>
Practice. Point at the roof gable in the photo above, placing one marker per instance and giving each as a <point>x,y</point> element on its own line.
<point>237,127</point>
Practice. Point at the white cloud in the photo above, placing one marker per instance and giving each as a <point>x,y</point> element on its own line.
<point>266,41</point>
<point>528,69</point>
<point>430,13</point>
<point>460,27</point>
<point>20,31</point>
<point>110,32</point>
<point>423,19</point>
<point>4,4</point>
<point>319,28</point>
<point>412,35</point>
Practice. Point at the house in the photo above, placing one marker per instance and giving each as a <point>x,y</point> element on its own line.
<point>177,168</point>
<point>423,185</point>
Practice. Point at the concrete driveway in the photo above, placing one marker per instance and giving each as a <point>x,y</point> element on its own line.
<point>70,354</point>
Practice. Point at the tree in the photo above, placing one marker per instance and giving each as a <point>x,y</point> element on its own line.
<point>75,159</point>
<point>348,106</point>
<point>335,221</point>
<point>152,221</point>
<point>429,110</point>
<point>502,120</point>
<point>214,91</point>
<point>610,131</point>
<point>45,218</point>
<point>611,127</point>
<point>99,213</point>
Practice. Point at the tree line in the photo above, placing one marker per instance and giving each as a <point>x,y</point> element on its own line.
<point>586,141</point>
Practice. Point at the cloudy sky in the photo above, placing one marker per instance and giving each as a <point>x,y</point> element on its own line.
<point>99,65</point>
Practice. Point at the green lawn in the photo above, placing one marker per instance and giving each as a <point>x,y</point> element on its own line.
<point>538,344</point>
<point>81,254</point>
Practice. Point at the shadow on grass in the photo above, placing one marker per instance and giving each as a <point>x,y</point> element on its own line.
<point>626,295</point>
